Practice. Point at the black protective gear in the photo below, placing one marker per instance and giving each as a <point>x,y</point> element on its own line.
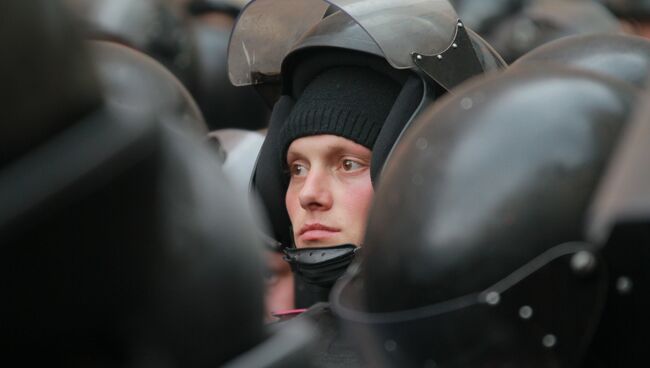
<point>40,98</point>
<point>489,263</point>
<point>317,269</point>
<point>542,21</point>
<point>624,57</point>
<point>223,105</point>
<point>339,40</point>
<point>136,82</point>
<point>437,53</point>
<point>122,242</point>
<point>159,28</point>
<point>333,348</point>
<point>514,27</point>
<point>482,16</point>
<point>113,250</point>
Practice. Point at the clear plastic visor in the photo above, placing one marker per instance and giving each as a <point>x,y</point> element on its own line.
<point>267,30</point>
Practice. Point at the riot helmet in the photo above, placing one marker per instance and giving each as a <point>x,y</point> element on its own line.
<point>123,245</point>
<point>488,263</point>
<point>618,218</point>
<point>158,28</point>
<point>407,53</point>
<point>542,21</point>
<point>224,106</point>
<point>39,99</point>
<point>482,16</point>
<point>624,57</point>
<point>137,82</point>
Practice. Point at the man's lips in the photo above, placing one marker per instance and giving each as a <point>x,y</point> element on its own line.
<point>316,231</point>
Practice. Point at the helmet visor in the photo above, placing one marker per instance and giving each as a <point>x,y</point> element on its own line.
<point>267,30</point>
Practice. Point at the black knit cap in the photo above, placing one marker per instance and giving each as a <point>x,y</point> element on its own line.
<point>350,102</point>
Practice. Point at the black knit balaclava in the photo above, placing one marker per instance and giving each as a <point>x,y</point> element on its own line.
<point>350,102</point>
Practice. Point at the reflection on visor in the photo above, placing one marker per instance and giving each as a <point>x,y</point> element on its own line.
<point>267,30</point>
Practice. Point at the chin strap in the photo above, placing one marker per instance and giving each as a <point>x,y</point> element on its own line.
<point>317,269</point>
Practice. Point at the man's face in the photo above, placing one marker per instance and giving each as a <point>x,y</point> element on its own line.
<point>330,191</point>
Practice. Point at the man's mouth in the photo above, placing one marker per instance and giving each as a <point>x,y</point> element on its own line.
<point>313,232</point>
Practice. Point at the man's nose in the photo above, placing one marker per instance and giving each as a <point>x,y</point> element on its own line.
<point>315,194</point>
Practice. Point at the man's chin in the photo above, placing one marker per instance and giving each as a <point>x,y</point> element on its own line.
<point>325,243</point>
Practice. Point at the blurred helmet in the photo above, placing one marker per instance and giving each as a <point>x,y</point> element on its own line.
<point>158,28</point>
<point>224,105</point>
<point>123,245</point>
<point>135,81</point>
<point>623,57</point>
<point>40,98</point>
<point>542,21</point>
<point>482,16</point>
<point>489,262</point>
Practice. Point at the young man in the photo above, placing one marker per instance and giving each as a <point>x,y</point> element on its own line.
<point>346,79</point>
<point>329,191</point>
<point>347,92</point>
<point>344,90</point>
<point>327,142</point>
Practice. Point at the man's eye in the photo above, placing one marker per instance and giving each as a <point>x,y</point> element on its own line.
<point>351,165</point>
<point>298,170</point>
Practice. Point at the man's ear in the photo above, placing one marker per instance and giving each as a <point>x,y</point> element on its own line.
<point>268,180</point>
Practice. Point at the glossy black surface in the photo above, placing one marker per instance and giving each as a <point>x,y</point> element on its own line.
<point>487,263</point>
<point>624,57</point>
<point>47,78</point>
<point>488,179</point>
<point>122,242</point>
<point>158,28</point>
<point>137,82</point>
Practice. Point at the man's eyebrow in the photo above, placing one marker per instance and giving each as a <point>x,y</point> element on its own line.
<point>294,155</point>
<point>329,150</point>
<point>337,150</point>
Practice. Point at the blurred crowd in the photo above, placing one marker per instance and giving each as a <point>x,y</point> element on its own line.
<point>309,183</point>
